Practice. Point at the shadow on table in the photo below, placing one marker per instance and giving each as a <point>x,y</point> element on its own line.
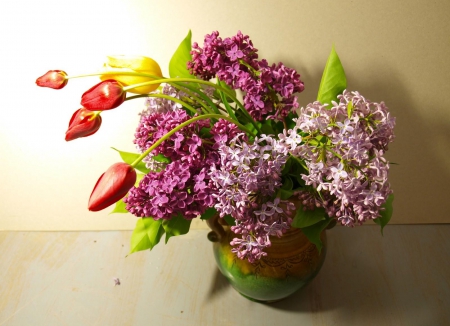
<point>218,285</point>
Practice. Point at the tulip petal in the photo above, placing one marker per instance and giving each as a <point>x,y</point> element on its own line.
<point>112,186</point>
<point>106,95</point>
<point>55,79</point>
<point>139,64</point>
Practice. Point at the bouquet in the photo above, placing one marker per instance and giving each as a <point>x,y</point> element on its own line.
<point>225,135</point>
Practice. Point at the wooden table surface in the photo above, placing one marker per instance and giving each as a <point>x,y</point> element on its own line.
<point>67,278</point>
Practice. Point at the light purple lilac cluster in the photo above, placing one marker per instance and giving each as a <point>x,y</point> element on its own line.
<point>269,90</point>
<point>245,181</point>
<point>343,148</point>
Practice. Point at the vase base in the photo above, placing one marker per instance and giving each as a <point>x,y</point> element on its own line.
<point>259,301</point>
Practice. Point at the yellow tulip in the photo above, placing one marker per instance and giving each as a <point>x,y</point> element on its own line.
<point>137,64</point>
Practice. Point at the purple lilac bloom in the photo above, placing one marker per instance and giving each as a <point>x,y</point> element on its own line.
<point>348,172</point>
<point>183,186</point>
<point>269,90</point>
<point>245,184</point>
<point>161,106</point>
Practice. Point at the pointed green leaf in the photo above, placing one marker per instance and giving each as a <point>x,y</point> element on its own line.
<point>309,217</point>
<point>177,225</point>
<point>146,234</point>
<point>178,63</point>
<point>129,158</point>
<point>210,212</point>
<point>386,214</point>
<point>333,80</point>
<point>314,231</point>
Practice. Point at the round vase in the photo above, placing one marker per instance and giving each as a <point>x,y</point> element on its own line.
<point>292,261</point>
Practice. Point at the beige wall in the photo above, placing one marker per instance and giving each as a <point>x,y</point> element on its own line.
<point>396,51</point>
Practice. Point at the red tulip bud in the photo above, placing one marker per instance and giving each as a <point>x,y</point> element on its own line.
<point>106,95</point>
<point>82,124</point>
<point>55,79</point>
<point>112,186</point>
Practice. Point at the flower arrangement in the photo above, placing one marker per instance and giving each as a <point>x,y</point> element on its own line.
<point>225,135</point>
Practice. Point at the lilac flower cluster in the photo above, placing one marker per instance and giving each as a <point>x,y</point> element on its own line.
<point>246,180</point>
<point>156,105</point>
<point>269,89</point>
<point>183,186</point>
<point>343,149</point>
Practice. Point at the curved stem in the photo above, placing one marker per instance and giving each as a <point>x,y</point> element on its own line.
<point>181,126</point>
<point>168,97</point>
<point>195,97</point>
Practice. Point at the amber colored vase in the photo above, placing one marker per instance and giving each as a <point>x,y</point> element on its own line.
<point>292,261</point>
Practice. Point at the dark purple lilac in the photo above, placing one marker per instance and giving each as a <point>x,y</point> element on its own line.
<point>269,90</point>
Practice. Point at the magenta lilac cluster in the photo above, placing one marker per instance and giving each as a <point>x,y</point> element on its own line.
<point>182,186</point>
<point>343,148</point>
<point>245,181</point>
<point>269,89</point>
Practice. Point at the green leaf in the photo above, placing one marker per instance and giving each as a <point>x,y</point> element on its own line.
<point>287,166</point>
<point>178,63</point>
<point>333,80</point>
<point>146,234</point>
<point>161,158</point>
<point>177,225</point>
<point>309,217</point>
<point>386,214</point>
<point>287,183</point>
<point>314,231</point>
<point>223,96</point>
<point>230,221</point>
<point>129,158</point>
<point>210,212</point>
<point>119,208</point>
<point>284,194</point>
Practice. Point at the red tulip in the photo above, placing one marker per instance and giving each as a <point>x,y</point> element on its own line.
<point>55,79</point>
<point>106,95</point>
<point>82,124</point>
<point>112,186</point>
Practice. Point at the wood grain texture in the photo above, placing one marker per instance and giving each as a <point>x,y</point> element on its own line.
<point>67,278</point>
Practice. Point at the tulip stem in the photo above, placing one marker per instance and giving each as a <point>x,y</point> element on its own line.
<point>181,126</point>
<point>159,80</point>
<point>168,97</point>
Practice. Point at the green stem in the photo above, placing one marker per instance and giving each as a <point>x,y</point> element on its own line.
<point>111,72</point>
<point>181,126</point>
<point>168,97</point>
<point>159,80</point>
<point>206,109</point>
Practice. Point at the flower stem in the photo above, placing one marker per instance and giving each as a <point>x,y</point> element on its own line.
<point>168,97</point>
<point>159,80</point>
<point>181,126</point>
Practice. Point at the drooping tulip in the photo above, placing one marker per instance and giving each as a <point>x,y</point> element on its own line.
<point>112,186</point>
<point>138,64</point>
<point>55,79</point>
<point>82,124</point>
<point>106,95</point>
